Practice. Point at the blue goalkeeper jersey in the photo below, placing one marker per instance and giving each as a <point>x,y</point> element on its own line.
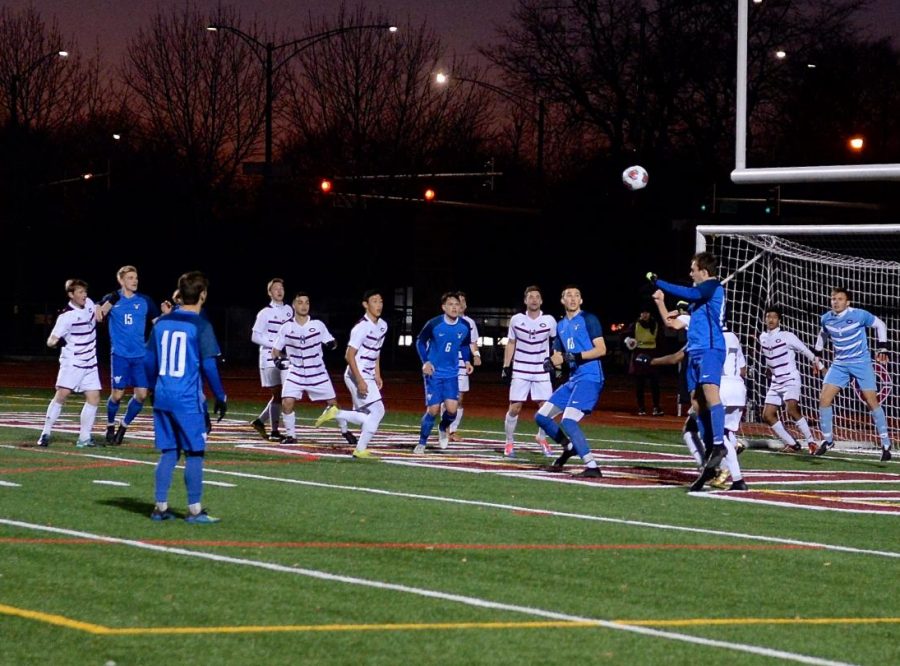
<point>441,343</point>
<point>577,335</point>
<point>847,332</point>
<point>128,321</point>
<point>180,344</point>
<point>707,311</point>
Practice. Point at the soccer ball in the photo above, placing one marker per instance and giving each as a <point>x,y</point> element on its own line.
<point>635,177</point>
<point>631,343</point>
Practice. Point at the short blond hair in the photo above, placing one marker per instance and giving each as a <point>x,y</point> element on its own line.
<point>125,270</point>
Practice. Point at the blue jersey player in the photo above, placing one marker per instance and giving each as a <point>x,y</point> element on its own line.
<point>440,344</point>
<point>128,314</point>
<point>578,344</point>
<point>846,327</point>
<point>181,353</point>
<point>705,351</point>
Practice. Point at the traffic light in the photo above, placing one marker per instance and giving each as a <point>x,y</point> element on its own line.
<point>773,201</point>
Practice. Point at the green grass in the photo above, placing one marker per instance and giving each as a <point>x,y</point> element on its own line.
<point>322,518</point>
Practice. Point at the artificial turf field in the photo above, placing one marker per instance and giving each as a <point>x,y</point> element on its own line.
<point>454,557</point>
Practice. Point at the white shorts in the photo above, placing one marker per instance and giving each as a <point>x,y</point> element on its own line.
<point>778,394</point>
<point>323,391</point>
<point>521,389</point>
<point>733,392</point>
<point>271,376</point>
<point>463,383</point>
<point>733,416</point>
<point>373,394</point>
<point>78,380</point>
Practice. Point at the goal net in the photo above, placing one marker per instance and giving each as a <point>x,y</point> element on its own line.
<point>795,268</point>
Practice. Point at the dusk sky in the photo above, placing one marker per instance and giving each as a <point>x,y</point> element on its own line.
<point>462,24</point>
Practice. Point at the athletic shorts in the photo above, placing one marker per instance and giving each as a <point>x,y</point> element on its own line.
<point>185,432</point>
<point>862,371</point>
<point>580,394</point>
<point>733,392</point>
<point>779,393</point>
<point>78,380</point>
<point>271,376</point>
<point>323,391</point>
<point>733,416</point>
<point>128,372</point>
<point>372,394</point>
<point>521,389</point>
<point>704,367</point>
<point>439,389</point>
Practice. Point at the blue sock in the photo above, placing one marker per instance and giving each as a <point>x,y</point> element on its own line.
<point>825,414</point>
<point>164,468</point>
<point>193,478</point>
<point>579,441</point>
<point>112,409</point>
<point>717,418</point>
<point>881,427</point>
<point>549,426</point>
<point>704,428</point>
<point>133,408</point>
<point>446,419</point>
<point>427,427</point>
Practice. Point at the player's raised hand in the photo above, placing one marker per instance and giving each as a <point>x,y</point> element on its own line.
<point>659,296</point>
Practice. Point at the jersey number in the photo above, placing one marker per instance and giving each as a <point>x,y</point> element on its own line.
<point>174,352</point>
<point>129,319</point>
<point>448,347</point>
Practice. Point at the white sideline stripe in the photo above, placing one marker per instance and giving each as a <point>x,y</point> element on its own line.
<point>104,482</point>
<point>732,498</point>
<point>435,594</point>
<point>221,484</point>
<point>513,507</point>
<point>10,484</point>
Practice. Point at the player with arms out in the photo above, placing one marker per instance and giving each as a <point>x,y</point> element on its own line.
<point>363,376</point>
<point>846,327</point>
<point>579,345</point>
<point>181,354</point>
<point>439,344</point>
<point>128,313</point>
<point>265,328</point>
<point>779,348</point>
<point>529,338</point>
<point>75,334</point>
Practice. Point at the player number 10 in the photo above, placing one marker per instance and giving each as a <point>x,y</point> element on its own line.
<point>174,350</point>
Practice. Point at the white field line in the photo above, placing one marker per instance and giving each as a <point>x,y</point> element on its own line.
<point>105,482</point>
<point>774,502</point>
<point>436,594</point>
<point>10,484</point>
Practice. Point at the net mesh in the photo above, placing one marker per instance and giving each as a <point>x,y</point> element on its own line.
<point>796,273</point>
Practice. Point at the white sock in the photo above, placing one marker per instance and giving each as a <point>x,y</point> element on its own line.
<point>456,421</point>
<point>347,415</point>
<point>731,459</point>
<point>541,436</point>
<point>779,429</point>
<point>162,506</point>
<point>88,414</point>
<point>688,438</point>
<point>290,424</point>
<point>804,428</point>
<point>509,426</point>
<point>54,409</point>
<point>195,508</point>
<point>370,425</point>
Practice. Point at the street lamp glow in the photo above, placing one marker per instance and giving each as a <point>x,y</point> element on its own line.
<point>212,28</point>
<point>116,136</point>
<point>63,54</point>
<point>780,54</point>
<point>393,28</point>
<point>441,78</point>
<point>87,176</point>
<point>857,143</point>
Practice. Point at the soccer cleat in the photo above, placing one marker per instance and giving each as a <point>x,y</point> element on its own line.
<point>454,437</point>
<point>590,473</point>
<point>110,433</point>
<point>739,485</point>
<point>642,412</point>
<point>329,413</point>
<point>276,436</point>
<point>706,474</point>
<point>716,456</point>
<point>509,451</point>
<point>658,412</point>
<point>545,448</point>
<point>443,438</point>
<point>120,435</point>
<point>259,427</point>
<point>350,437</point>
<point>288,440</point>
<point>739,448</point>
<point>796,447</point>
<point>201,518</point>
<point>720,481</point>
<point>812,447</point>
<point>822,448</point>
<point>363,454</point>
<point>885,455</point>
<point>419,450</point>
<point>564,458</point>
<point>44,441</point>
<point>85,443</point>
<point>162,515</point>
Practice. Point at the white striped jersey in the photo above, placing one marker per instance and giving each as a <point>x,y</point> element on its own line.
<point>473,340</point>
<point>779,349</point>
<point>79,328</point>
<point>847,332</point>
<point>367,337</point>
<point>532,337</point>
<point>302,344</point>
<point>734,356</point>
<point>268,321</point>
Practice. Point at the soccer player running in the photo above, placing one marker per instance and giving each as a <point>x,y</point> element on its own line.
<point>439,345</point>
<point>363,376</point>
<point>75,335</point>
<point>128,313</point>
<point>463,373</point>
<point>265,328</point>
<point>779,348</point>
<point>579,345</point>
<point>706,353</point>
<point>528,344</point>
<point>181,354</point>
<point>846,327</point>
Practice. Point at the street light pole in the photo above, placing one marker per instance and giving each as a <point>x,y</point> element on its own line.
<point>17,78</point>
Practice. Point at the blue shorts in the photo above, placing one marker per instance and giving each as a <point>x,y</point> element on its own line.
<point>704,367</point>
<point>841,372</point>
<point>185,432</point>
<point>128,372</point>
<point>439,389</point>
<point>581,394</point>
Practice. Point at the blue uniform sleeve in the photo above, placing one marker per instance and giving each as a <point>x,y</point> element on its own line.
<point>866,317</point>
<point>211,373</point>
<point>557,345</point>
<point>209,346</point>
<point>152,309</point>
<point>687,293</point>
<point>423,339</point>
<point>594,329</point>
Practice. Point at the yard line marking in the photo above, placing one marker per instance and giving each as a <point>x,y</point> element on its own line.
<point>104,482</point>
<point>220,484</point>
<point>10,484</point>
<point>50,618</point>
<point>436,594</point>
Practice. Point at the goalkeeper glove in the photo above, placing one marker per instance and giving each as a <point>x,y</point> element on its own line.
<point>883,348</point>
<point>652,277</point>
<point>61,343</point>
<point>506,374</point>
<point>281,363</point>
<point>574,359</point>
<point>220,408</point>
<point>331,345</point>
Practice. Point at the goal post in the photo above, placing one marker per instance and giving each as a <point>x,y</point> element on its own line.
<point>794,267</point>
